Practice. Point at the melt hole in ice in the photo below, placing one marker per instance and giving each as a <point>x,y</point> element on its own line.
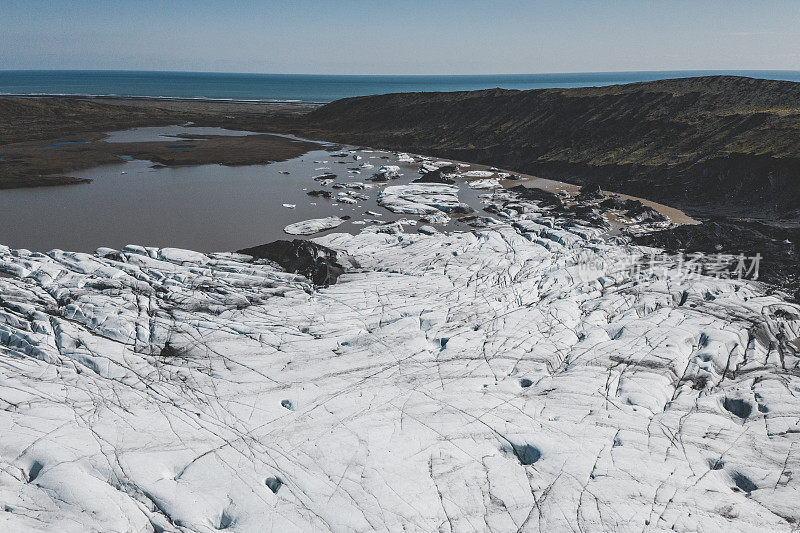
<point>526,453</point>
<point>169,351</point>
<point>738,407</point>
<point>274,484</point>
<point>743,482</point>
<point>35,470</point>
<point>225,520</point>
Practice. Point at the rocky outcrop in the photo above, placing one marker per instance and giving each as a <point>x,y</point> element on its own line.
<point>312,260</point>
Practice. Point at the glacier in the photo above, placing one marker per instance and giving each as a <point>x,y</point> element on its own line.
<point>516,377</point>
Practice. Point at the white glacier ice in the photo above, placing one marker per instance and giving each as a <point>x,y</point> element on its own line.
<point>508,379</point>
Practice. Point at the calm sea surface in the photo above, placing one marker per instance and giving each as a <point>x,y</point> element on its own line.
<point>311,88</point>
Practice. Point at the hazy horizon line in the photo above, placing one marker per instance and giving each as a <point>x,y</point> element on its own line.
<point>588,72</point>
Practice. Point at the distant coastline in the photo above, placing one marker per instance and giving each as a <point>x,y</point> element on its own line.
<point>308,88</point>
<point>198,99</point>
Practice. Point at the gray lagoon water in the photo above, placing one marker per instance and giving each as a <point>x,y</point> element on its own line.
<point>205,208</point>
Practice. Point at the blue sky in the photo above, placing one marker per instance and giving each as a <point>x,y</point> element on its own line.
<point>400,37</point>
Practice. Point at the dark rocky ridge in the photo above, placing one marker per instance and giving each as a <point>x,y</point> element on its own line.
<point>314,261</point>
<point>710,145</point>
<point>778,247</point>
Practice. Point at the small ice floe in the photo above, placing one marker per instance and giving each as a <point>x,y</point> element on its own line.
<point>404,158</point>
<point>314,225</point>
<point>325,176</point>
<point>283,172</point>
<point>386,173</point>
<point>390,170</point>
<point>357,157</point>
<point>289,206</point>
<point>320,162</point>
<point>478,174</point>
<point>463,165</point>
<point>123,172</point>
<point>490,183</point>
<point>427,230</point>
<point>373,214</point>
<point>347,200</point>
<point>355,185</point>
<point>359,222</point>
<point>367,165</point>
<point>354,171</point>
<point>326,182</point>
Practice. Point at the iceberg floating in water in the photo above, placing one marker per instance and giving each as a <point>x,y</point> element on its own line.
<point>422,199</point>
<point>491,183</point>
<point>478,174</point>
<point>314,225</point>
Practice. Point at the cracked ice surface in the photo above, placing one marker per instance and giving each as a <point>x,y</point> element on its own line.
<point>420,199</point>
<point>471,381</point>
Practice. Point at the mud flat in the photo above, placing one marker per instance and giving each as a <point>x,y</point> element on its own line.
<point>44,141</point>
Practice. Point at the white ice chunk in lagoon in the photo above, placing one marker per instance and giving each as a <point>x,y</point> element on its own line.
<point>388,171</point>
<point>314,225</point>
<point>346,200</point>
<point>289,206</point>
<point>478,174</point>
<point>420,198</point>
<point>515,378</point>
<point>491,183</point>
<point>436,218</point>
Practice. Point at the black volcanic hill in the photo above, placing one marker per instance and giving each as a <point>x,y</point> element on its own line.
<point>722,145</point>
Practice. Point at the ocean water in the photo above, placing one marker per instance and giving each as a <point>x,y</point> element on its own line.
<point>310,88</point>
